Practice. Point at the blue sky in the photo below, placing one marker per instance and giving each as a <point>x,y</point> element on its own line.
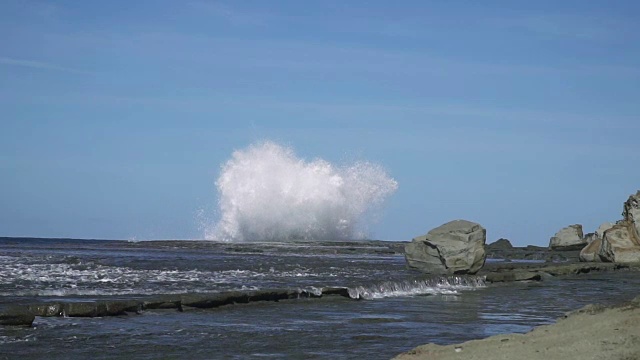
<point>116,116</point>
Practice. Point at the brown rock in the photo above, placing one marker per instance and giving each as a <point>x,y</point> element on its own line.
<point>620,244</point>
<point>590,252</point>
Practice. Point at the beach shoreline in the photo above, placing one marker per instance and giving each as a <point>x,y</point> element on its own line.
<point>592,332</point>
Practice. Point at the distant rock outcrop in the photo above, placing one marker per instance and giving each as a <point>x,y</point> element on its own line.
<point>456,247</point>
<point>568,238</point>
<point>500,244</point>
<point>619,243</point>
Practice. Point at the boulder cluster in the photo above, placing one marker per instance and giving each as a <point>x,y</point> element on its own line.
<point>458,247</point>
<point>619,242</point>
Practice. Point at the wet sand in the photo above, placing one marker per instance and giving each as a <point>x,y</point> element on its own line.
<point>593,332</point>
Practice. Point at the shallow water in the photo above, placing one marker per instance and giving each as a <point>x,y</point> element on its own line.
<point>403,310</point>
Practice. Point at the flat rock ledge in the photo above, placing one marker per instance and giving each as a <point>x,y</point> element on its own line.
<point>593,332</point>
<point>24,315</point>
<point>507,272</point>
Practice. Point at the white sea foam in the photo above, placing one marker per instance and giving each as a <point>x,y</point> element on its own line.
<point>268,193</point>
<point>450,285</point>
<point>29,278</point>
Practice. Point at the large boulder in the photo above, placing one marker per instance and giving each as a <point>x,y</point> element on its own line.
<point>456,247</point>
<point>620,244</point>
<point>568,238</point>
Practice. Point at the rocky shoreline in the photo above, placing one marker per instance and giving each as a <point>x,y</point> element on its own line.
<point>493,272</point>
<point>592,332</point>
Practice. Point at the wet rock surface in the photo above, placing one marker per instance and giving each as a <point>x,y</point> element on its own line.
<point>25,314</point>
<point>512,271</point>
<point>16,316</point>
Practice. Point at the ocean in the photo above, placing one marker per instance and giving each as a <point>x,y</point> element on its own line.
<point>389,310</point>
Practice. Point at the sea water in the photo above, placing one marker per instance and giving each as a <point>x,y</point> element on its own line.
<point>398,310</point>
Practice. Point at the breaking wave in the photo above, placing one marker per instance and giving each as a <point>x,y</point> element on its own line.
<point>449,285</point>
<point>268,193</point>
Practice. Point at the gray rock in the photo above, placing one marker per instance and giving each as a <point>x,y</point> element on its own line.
<point>590,252</point>
<point>456,247</point>
<point>500,244</point>
<point>590,237</point>
<point>16,316</point>
<point>163,303</point>
<point>620,244</point>
<point>46,309</point>
<point>119,307</point>
<point>80,309</point>
<point>101,308</point>
<point>568,238</point>
<point>518,275</point>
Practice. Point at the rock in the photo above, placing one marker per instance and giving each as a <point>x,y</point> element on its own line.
<point>118,307</point>
<point>81,309</point>
<point>207,301</point>
<point>500,244</point>
<point>602,228</point>
<point>162,303</point>
<point>16,316</point>
<point>590,252</point>
<point>214,300</point>
<point>518,275</point>
<point>456,247</point>
<point>46,310</point>
<point>631,212</point>
<point>568,238</point>
<point>336,291</point>
<point>620,244</point>
<point>590,237</point>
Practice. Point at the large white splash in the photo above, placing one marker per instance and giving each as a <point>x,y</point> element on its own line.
<point>267,193</point>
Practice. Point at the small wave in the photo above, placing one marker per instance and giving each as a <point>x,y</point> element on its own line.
<point>71,276</point>
<point>13,339</point>
<point>445,285</point>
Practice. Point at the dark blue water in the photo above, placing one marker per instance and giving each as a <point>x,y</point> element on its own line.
<point>401,309</point>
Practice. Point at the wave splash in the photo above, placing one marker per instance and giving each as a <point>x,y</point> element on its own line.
<point>449,285</point>
<point>267,193</point>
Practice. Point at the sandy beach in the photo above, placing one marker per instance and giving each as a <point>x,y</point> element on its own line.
<point>592,332</point>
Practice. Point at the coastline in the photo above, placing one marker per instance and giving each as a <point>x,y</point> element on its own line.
<point>592,332</point>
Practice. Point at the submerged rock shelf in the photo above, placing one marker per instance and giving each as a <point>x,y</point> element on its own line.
<point>25,315</point>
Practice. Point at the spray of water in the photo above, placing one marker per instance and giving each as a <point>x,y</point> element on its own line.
<point>267,193</point>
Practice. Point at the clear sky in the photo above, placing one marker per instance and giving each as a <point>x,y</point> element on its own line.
<point>115,116</point>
